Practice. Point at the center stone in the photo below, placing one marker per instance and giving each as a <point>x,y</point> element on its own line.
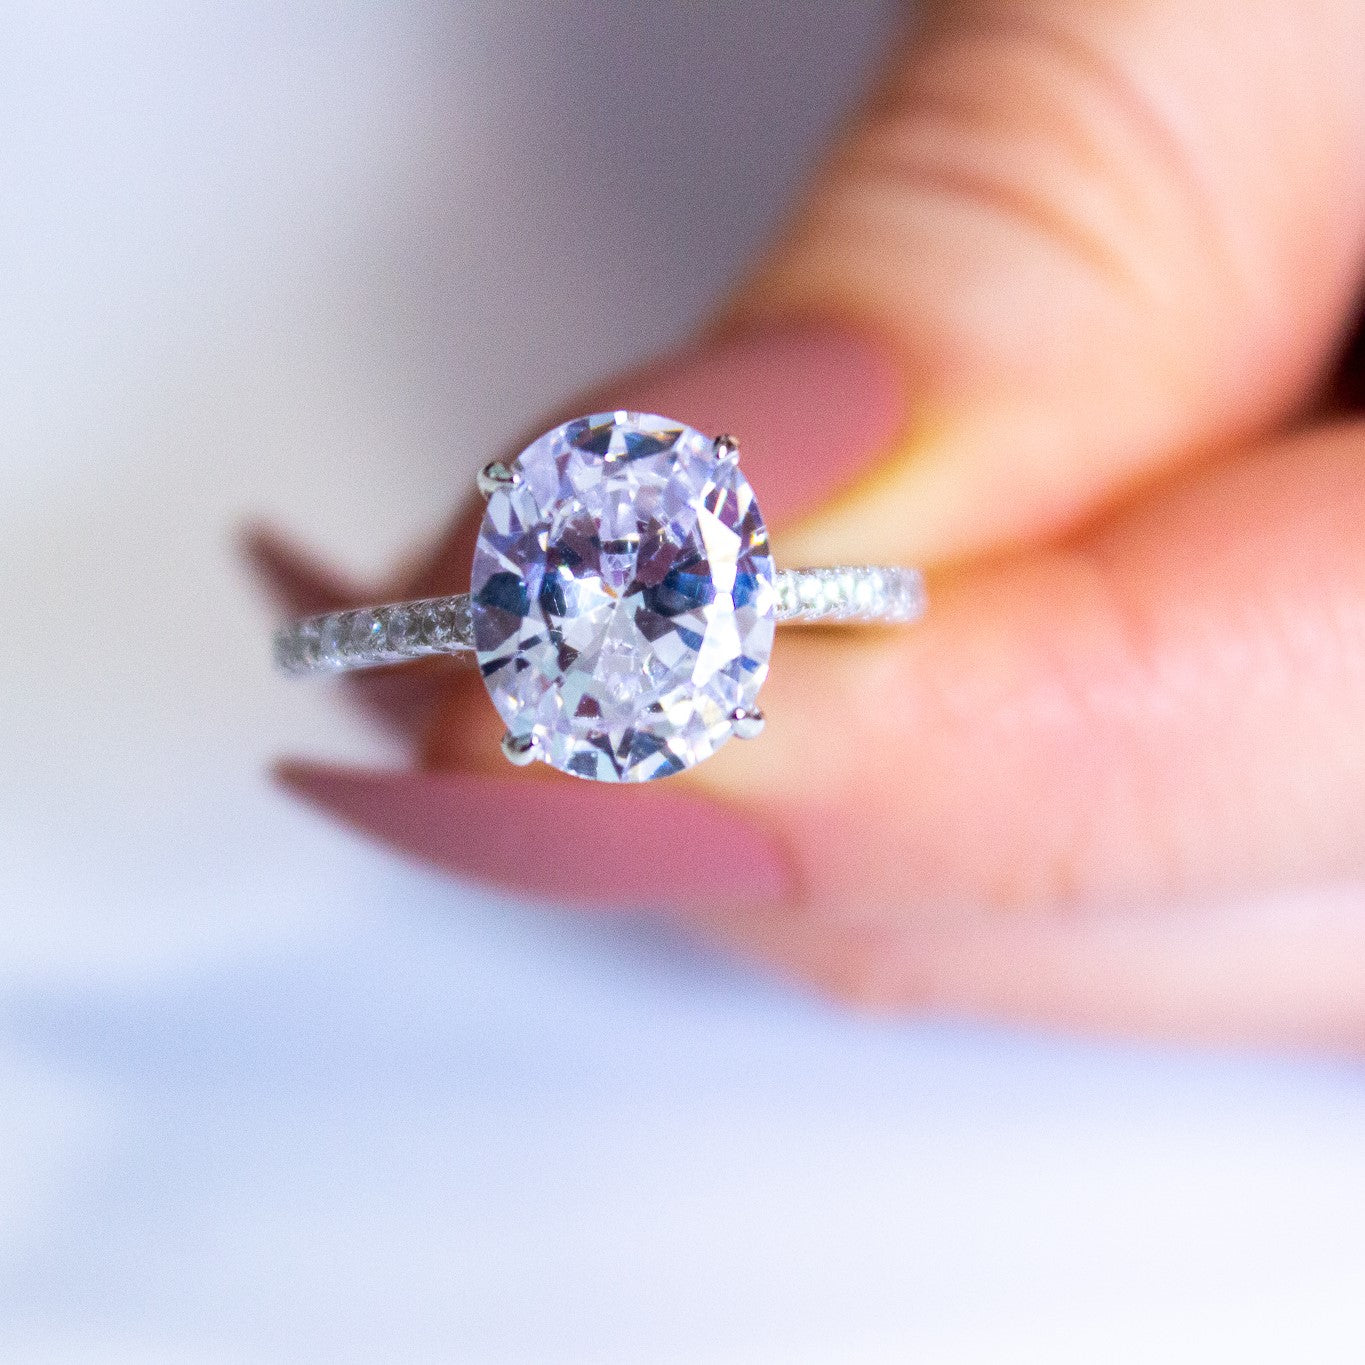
<point>622,599</point>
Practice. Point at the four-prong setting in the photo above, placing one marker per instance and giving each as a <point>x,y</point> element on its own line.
<point>623,597</point>
<point>494,477</point>
<point>748,722</point>
<point>519,750</point>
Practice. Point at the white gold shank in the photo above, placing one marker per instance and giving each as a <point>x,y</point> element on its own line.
<point>373,637</point>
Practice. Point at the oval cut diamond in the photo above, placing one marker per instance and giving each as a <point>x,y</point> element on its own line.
<point>623,597</point>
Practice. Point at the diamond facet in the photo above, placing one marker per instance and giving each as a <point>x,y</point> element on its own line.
<point>623,597</point>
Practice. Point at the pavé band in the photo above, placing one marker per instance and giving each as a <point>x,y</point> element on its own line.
<point>378,637</point>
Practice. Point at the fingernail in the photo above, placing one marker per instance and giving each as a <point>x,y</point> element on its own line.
<point>563,840</point>
<point>813,406</point>
<point>295,581</point>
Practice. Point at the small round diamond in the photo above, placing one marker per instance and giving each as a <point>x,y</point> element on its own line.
<point>397,628</point>
<point>331,640</point>
<point>365,632</point>
<point>623,597</point>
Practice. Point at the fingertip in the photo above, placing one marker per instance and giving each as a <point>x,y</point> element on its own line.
<point>815,405</point>
<point>295,580</point>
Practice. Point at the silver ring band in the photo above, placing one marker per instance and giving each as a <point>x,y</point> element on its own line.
<point>399,632</point>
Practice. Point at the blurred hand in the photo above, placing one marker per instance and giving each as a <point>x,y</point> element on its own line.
<point>1063,319</point>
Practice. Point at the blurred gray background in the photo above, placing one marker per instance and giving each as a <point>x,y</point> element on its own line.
<point>267,1094</point>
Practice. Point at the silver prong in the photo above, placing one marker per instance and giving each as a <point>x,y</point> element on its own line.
<point>748,722</point>
<point>726,448</point>
<point>495,476</point>
<point>518,749</point>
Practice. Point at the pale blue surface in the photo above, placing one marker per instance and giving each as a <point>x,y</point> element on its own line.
<point>444,1132</point>
<point>267,1095</point>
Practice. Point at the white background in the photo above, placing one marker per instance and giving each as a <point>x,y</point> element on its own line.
<point>267,1094</point>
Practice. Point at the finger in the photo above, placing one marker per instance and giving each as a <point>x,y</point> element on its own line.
<point>1167,706</point>
<point>1277,971</point>
<point>1102,236</point>
<point>1166,709</point>
<point>1285,971</point>
<point>1069,246</point>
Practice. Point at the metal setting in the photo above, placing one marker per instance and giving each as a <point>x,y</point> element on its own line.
<point>519,750</point>
<point>493,477</point>
<point>726,448</point>
<point>748,723</point>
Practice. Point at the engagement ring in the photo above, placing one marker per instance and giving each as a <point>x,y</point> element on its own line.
<point>622,603</point>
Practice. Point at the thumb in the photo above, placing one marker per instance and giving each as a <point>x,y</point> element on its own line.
<point>1066,246</point>
<point>1097,235</point>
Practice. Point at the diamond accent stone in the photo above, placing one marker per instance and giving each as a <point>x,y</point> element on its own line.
<point>864,594</point>
<point>365,632</point>
<point>332,637</point>
<point>623,598</point>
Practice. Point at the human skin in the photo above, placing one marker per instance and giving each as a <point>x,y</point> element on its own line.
<point>1078,282</point>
